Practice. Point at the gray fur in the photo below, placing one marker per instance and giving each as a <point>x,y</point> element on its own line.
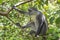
<point>39,24</point>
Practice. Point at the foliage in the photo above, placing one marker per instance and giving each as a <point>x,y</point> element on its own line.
<point>9,31</point>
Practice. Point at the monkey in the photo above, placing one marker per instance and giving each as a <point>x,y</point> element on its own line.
<point>38,23</point>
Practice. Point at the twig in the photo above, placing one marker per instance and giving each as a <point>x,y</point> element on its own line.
<point>20,3</point>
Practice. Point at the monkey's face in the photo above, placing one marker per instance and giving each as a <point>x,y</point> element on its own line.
<point>32,12</point>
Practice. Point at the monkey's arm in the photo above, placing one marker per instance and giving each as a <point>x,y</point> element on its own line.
<point>29,24</point>
<point>20,11</point>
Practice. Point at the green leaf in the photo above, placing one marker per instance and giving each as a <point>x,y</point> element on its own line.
<point>1,1</point>
<point>58,12</point>
<point>57,22</point>
<point>52,19</point>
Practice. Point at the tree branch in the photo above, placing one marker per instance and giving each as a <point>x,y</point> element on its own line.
<point>20,3</point>
<point>7,12</point>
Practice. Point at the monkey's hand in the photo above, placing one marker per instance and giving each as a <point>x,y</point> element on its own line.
<point>18,24</point>
<point>23,27</point>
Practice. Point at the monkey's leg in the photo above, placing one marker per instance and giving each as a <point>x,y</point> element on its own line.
<point>43,31</point>
<point>39,30</point>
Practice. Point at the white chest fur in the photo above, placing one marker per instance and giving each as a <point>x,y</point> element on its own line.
<point>34,27</point>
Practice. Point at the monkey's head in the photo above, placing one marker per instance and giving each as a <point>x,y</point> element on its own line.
<point>32,11</point>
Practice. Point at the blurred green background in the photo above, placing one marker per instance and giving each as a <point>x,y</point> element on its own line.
<point>50,8</point>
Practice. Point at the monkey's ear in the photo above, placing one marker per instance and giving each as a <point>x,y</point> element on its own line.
<point>32,8</point>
